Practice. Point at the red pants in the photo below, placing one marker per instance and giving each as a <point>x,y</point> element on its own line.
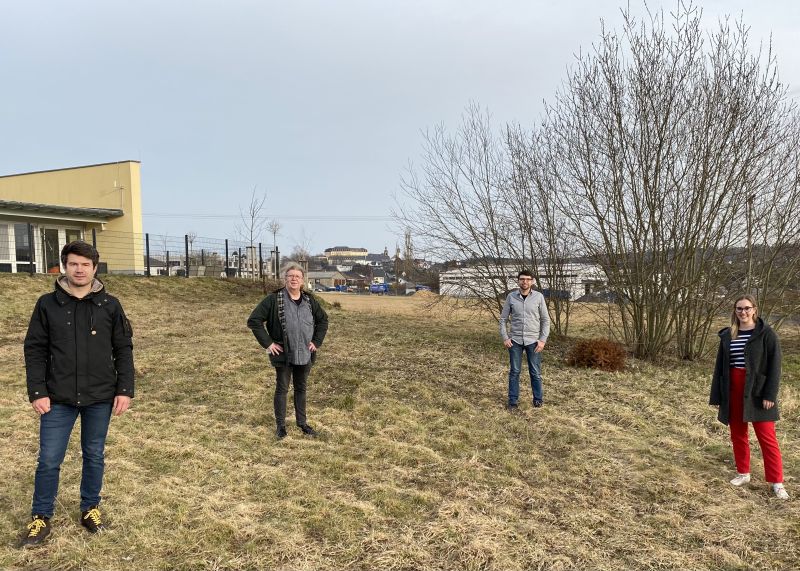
<point>740,436</point>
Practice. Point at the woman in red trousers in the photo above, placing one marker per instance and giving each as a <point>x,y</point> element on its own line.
<point>745,387</point>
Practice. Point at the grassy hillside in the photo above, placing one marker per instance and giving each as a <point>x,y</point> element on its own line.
<point>418,465</point>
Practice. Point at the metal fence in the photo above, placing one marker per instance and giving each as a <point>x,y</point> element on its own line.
<point>191,255</point>
<point>146,254</point>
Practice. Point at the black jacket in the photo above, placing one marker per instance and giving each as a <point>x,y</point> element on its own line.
<point>762,356</point>
<point>79,351</point>
<point>266,313</point>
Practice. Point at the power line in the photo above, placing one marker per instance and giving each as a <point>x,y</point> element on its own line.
<point>342,218</point>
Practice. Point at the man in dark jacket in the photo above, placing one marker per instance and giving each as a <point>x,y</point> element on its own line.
<point>295,328</point>
<point>79,362</point>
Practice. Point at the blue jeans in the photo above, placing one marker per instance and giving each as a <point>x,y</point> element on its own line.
<point>54,431</point>
<point>534,370</point>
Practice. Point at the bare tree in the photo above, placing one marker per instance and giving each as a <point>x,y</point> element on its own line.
<point>252,219</point>
<point>488,201</point>
<point>274,228</point>
<point>452,208</point>
<point>670,158</point>
<point>661,140</point>
<point>302,247</point>
<point>546,231</point>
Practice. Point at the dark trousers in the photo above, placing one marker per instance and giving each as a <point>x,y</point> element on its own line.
<point>299,376</point>
<point>54,431</point>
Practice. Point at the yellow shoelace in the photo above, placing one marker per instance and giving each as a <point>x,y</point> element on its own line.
<point>36,526</point>
<point>94,515</point>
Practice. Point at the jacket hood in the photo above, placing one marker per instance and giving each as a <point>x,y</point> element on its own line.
<point>726,331</point>
<point>62,283</point>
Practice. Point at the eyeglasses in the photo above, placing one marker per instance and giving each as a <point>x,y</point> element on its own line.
<point>744,309</point>
<point>525,279</point>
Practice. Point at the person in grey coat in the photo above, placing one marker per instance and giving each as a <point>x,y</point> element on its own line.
<point>291,325</point>
<point>745,388</point>
<point>526,310</point>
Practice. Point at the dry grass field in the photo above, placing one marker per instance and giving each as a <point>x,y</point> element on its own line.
<point>418,465</point>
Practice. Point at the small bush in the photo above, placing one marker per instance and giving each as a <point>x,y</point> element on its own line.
<point>602,354</point>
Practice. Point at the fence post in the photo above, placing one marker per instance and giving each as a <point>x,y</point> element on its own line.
<point>167,263</point>
<point>31,249</point>
<point>147,254</point>
<point>202,257</point>
<point>186,244</point>
<point>260,262</point>
<point>226,257</point>
<point>239,263</point>
<point>94,238</point>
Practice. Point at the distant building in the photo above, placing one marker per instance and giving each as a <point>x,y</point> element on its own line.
<point>579,279</point>
<point>378,276</point>
<point>358,280</point>
<point>379,260</point>
<point>342,255</point>
<point>42,211</point>
<point>325,279</point>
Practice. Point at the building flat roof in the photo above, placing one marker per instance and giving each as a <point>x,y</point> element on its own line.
<point>14,208</point>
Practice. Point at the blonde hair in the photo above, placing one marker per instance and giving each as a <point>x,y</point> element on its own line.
<point>735,318</point>
<point>292,266</point>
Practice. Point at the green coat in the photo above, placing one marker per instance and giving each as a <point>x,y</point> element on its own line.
<point>762,355</point>
<point>266,314</point>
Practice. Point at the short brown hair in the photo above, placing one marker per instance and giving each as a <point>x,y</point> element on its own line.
<point>80,248</point>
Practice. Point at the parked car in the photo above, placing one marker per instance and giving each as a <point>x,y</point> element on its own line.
<point>379,288</point>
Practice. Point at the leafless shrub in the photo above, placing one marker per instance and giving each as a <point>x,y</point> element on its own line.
<point>662,137</point>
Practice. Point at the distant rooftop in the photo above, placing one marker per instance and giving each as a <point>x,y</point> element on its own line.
<point>345,249</point>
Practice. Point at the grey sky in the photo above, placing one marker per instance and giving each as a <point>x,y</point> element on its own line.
<point>320,103</point>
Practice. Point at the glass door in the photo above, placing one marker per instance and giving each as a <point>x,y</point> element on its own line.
<point>51,251</point>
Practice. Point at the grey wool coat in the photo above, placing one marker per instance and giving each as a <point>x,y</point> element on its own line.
<point>762,355</point>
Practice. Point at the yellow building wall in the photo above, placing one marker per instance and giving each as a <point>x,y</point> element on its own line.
<point>114,185</point>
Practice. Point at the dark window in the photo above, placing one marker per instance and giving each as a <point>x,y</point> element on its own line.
<point>5,268</point>
<point>22,243</point>
<point>5,254</point>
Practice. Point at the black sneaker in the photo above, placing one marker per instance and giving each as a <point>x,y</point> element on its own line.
<point>307,430</point>
<point>281,432</point>
<point>92,520</point>
<point>512,408</point>
<point>36,531</point>
<point>538,404</point>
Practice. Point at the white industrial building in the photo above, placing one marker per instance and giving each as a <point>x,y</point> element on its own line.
<point>578,280</point>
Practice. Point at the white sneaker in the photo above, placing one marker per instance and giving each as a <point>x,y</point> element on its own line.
<point>741,480</point>
<point>780,491</point>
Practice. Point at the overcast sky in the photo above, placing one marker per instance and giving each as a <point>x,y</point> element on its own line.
<point>320,104</point>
